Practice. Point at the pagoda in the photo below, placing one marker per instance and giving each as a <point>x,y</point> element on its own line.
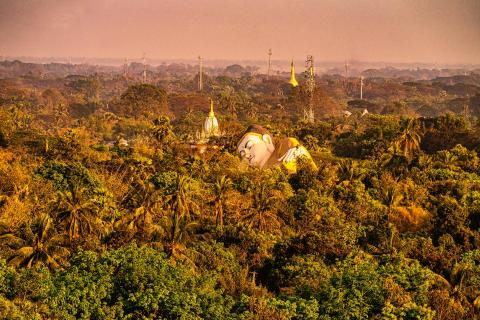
<point>210,126</point>
<point>293,81</point>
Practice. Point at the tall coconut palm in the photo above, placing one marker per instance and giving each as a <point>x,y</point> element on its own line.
<point>179,232</point>
<point>143,194</point>
<point>78,213</point>
<point>220,188</point>
<point>37,243</point>
<point>350,170</point>
<point>139,224</point>
<point>391,196</point>
<point>144,214</point>
<point>448,160</point>
<point>179,222</point>
<point>409,141</point>
<point>180,201</point>
<point>261,214</point>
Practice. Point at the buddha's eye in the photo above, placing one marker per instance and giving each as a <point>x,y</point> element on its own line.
<point>249,144</point>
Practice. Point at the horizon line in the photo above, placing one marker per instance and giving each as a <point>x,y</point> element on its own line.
<point>342,61</point>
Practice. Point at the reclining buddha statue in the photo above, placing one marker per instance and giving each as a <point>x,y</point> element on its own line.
<point>259,149</point>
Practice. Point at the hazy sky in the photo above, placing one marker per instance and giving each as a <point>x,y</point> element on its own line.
<point>443,31</point>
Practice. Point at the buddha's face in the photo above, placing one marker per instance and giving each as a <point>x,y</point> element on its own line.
<point>255,148</point>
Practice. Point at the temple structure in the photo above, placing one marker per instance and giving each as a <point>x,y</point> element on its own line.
<point>210,126</point>
<point>293,81</point>
<point>210,129</point>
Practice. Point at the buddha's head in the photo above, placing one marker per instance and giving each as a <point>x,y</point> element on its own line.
<point>256,146</point>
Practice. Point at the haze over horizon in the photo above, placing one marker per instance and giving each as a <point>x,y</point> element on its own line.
<point>405,31</point>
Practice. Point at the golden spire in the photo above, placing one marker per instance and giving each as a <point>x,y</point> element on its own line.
<point>293,81</point>
<point>211,114</point>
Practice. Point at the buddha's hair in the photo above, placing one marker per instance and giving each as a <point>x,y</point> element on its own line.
<point>256,128</point>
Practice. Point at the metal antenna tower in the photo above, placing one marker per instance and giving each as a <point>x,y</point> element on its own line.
<point>144,78</point>
<point>361,87</point>
<point>308,114</point>
<point>269,62</point>
<point>200,73</point>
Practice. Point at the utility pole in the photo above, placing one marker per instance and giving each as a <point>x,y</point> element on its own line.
<point>361,87</point>
<point>308,114</point>
<point>269,63</point>
<point>200,73</point>
<point>144,78</point>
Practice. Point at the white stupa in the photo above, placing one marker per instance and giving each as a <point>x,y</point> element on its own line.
<point>210,126</point>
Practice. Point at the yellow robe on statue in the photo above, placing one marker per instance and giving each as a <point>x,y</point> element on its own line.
<point>287,150</point>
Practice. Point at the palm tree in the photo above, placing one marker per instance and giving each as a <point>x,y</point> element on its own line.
<point>140,223</point>
<point>179,201</point>
<point>261,214</point>
<point>179,223</point>
<point>349,170</point>
<point>179,232</point>
<point>409,141</point>
<point>78,213</point>
<point>391,196</point>
<point>221,187</point>
<point>143,194</point>
<point>448,160</point>
<point>37,244</point>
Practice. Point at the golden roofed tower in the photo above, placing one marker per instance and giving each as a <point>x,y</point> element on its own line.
<point>293,81</point>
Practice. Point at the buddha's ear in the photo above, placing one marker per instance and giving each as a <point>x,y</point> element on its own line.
<point>267,138</point>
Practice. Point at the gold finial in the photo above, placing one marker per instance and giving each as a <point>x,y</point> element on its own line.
<point>211,113</point>
<point>293,81</point>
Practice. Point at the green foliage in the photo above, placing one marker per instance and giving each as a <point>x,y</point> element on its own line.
<point>142,100</point>
<point>69,177</point>
<point>36,244</point>
<point>408,311</point>
<point>467,271</point>
<point>162,130</point>
<point>165,181</point>
<point>386,228</point>
<point>134,283</point>
<point>371,143</point>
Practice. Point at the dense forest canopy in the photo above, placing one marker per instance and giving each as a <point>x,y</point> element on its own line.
<point>107,211</point>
